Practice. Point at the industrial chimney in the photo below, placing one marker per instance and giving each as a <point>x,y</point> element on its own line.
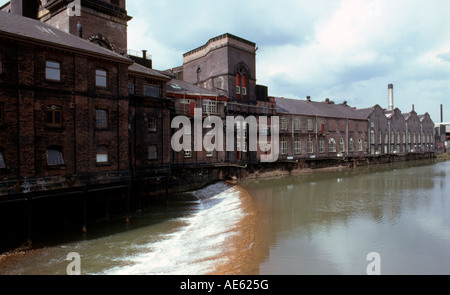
<point>391,97</point>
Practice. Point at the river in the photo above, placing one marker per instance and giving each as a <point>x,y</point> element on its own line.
<point>318,223</point>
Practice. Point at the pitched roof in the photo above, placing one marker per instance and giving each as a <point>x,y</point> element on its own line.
<point>140,69</point>
<point>23,28</point>
<point>320,109</point>
<point>182,87</point>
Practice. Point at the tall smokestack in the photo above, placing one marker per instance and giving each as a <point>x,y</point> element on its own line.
<point>391,97</point>
<point>442,113</point>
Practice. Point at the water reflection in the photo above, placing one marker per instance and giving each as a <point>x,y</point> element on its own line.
<point>326,223</point>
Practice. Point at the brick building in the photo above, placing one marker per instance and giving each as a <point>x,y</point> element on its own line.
<point>318,130</point>
<point>65,108</point>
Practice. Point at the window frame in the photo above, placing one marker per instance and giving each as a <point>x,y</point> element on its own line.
<point>50,68</point>
<point>152,124</point>
<point>321,145</point>
<point>99,152</point>
<point>310,125</point>
<point>100,119</point>
<point>283,123</point>
<point>283,146</point>
<point>297,124</point>
<point>53,109</point>
<point>147,87</point>
<point>332,145</point>
<point>310,146</point>
<point>297,146</point>
<point>2,160</point>
<point>56,159</point>
<point>105,77</point>
<point>152,154</point>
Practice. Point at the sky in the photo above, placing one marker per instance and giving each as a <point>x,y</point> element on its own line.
<point>346,50</point>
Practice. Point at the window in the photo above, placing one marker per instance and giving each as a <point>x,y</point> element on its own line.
<point>130,87</point>
<point>101,119</point>
<point>332,146</point>
<point>54,156</point>
<point>321,145</point>
<point>54,116</point>
<point>188,154</point>
<point>350,145</point>
<point>2,117</point>
<point>102,154</point>
<point>152,125</point>
<point>238,90</point>
<point>341,145</point>
<point>310,146</point>
<point>297,124</point>
<point>209,107</point>
<point>360,145</point>
<point>283,123</point>
<point>283,146</point>
<point>209,154</point>
<point>53,71</point>
<point>152,152</point>
<point>372,136</point>
<point>2,161</point>
<point>297,146</point>
<point>151,91</point>
<point>310,125</point>
<point>101,78</point>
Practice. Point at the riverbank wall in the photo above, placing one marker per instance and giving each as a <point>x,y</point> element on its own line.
<point>32,217</point>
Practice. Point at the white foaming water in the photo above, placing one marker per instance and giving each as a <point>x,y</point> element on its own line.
<point>195,248</point>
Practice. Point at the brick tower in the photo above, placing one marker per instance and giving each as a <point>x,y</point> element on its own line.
<point>103,22</point>
<point>225,63</point>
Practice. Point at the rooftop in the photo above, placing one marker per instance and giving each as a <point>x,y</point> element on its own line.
<point>320,109</point>
<point>15,26</point>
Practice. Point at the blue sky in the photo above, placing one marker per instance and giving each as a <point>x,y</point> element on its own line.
<point>343,50</point>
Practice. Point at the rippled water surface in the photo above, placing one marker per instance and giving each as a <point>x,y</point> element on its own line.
<point>320,223</point>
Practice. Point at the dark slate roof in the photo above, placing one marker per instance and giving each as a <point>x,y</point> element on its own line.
<point>312,108</point>
<point>140,69</point>
<point>182,87</point>
<point>24,28</point>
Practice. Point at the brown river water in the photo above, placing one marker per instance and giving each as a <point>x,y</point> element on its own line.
<point>317,223</point>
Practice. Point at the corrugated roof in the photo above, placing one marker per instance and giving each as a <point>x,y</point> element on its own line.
<point>36,31</point>
<point>320,109</point>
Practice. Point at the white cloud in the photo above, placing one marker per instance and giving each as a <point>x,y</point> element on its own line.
<point>346,50</point>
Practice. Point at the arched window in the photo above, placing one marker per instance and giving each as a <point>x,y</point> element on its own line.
<point>342,145</point>
<point>332,146</point>
<point>241,83</point>
<point>360,145</point>
<point>350,145</point>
